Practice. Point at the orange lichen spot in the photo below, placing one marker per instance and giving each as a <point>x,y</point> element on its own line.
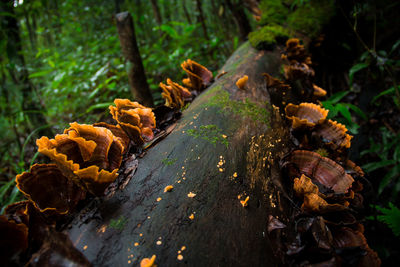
<point>334,134</point>
<point>175,95</point>
<point>140,234</point>
<point>191,216</point>
<point>321,169</point>
<point>235,175</point>
<point>245,202</point>
<point>48,189</point>
<point>168,188</point>
<point>191,195</point>
<point>305,114</point>
<point>136,244</point>
<point>318,91</point>
<point>146,262</point>
<point>199,76</point>
<point>85,247</point>
<point>241,83</point>
<point>88,155</point>
<point>179,257</point>
<point>159,199</point>
<point>183,248</point>
<point>136,120</point>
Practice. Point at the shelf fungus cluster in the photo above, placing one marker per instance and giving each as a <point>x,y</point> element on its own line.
<point>199,77</point>
<point>85,161</point>
<point>326,184</point>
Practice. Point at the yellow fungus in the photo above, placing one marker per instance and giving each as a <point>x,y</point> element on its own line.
<point>244,202</point>
<point>159,199</point>
<point>168,188</point>
<point>191,216</point>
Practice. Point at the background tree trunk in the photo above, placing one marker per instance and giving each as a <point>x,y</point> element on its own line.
<point>156,11</point>
<point>136,75</point>
<point>124,227</point>
<point>201,19</point>
<point>240,18</point>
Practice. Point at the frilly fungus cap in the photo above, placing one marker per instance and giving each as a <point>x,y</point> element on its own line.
<point>305,115</point>
<point>136,120</point>
<point>49,189</point>
<point>322,170</point>
<point>199,76</point>
<point>88,155</point>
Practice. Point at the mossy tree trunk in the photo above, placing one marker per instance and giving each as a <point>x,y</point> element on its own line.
<point>225,145</point>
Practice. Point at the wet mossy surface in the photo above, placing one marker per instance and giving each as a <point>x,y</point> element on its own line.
<point>284,18</point>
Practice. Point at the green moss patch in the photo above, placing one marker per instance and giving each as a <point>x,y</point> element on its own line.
<point>211,133</point>
<point>247,108</point>
<point>306,17</point>
<point>268,36</point>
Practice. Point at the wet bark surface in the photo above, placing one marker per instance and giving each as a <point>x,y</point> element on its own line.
<point>222,147</point>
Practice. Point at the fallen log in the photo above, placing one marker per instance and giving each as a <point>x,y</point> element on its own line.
<point>222,150</point>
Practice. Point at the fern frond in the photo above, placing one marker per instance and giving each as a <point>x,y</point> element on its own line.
<point>391,217</point>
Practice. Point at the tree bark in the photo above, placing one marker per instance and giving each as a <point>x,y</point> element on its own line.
<point>201,19</point>
<point>240,19</point>
<point>136,75</point>
<point>125,227</point>
<point>156,11</point>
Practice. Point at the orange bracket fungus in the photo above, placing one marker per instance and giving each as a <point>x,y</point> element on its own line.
<point>333,134</point>
<point>199,76</point>
<point>296,52</point>
<point>136,120</point>
<point>117,131</point>
<point>49,189</point>
<point>175,95</point>
<point>89,155</point>
<point>241,83</point>
<point>318,91</point>
<point>305,115</point>
<point>321,169</point>
<point>168,188</point>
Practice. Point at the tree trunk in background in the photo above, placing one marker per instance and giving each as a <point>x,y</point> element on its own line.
<point>240,18</point>
<point>186,12</point>
<point>31,33</point>
<point>136,75</point>
<point>156,11</point>
<point>201,19</point>
<point>18,70</point>
<point>133,223</point>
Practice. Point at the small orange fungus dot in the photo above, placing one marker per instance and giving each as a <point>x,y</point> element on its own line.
<point>136,244</point>
<point>85,247</point>
<point>159,199</point>
<point>168,188</point>
<point>180,257</point>
<point>159,242</point>
<point>235,175</point>
<point>191,216</point>
<point>183,248</point>
<point>244,202</point>
<point>191,194</point>
<point>146,262</point>
<point>241,83</point>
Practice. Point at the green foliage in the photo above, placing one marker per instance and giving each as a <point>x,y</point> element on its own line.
<point>391,217</point>
<point>211,133</point>
<point>341,111</point>
<point>388,152</point>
